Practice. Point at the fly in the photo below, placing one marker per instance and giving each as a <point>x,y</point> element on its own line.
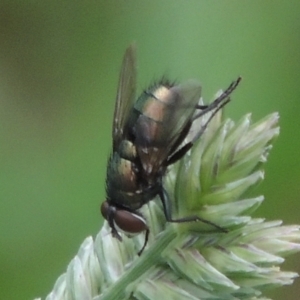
<point>148,137</point>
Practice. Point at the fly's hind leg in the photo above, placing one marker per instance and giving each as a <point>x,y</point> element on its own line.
<point>184,149</point>
<point>221,99</point>
<point>180,153</point>
<point>215,106</point>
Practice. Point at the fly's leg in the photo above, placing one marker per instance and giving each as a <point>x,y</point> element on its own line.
<point>207,122</point>
<point>183,150</point>
<point>218,101</point>
<point>110,218</point>
<point>202,107</point>
<point>218,104</point>
<point>145,242</point>
<point>193,218</point>
<point>180,153</point>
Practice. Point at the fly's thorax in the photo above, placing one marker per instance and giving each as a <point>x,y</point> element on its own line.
<point>131,200</point>
<point>121,174</point>
<point>122,168</point>
<point>125,184</point>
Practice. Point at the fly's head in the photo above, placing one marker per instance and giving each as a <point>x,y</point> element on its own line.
<point>127,221</point>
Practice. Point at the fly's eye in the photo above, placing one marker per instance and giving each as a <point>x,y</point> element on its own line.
<point>104,209</point>
<point>129,222</point>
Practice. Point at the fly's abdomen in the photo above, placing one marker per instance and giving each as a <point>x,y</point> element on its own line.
<point>153,127</point>
<point>156,108</point>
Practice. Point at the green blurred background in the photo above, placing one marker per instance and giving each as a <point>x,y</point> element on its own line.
<point>59,65</point>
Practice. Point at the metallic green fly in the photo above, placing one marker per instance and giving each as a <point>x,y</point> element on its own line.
<point>148,136</point>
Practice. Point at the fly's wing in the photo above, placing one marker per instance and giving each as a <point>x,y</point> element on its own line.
<point>164,124</point>
<point>125,95</point>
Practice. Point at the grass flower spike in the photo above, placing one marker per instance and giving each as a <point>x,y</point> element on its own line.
<point>190,261</point>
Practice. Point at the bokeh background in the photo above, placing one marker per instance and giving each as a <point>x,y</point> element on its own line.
<point>59,65</point>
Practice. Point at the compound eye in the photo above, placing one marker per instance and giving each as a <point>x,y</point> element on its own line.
<point>104,209</point>
<point>129,222</point>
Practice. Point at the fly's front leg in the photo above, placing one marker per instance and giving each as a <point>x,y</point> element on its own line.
<point>145,242</point>
<point>110,219</point>
<point>193,218</point>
